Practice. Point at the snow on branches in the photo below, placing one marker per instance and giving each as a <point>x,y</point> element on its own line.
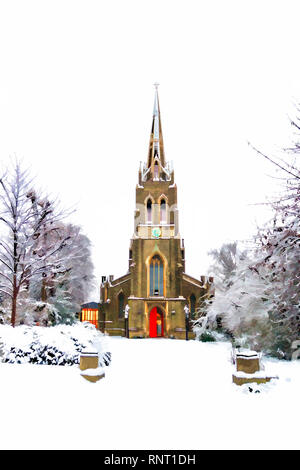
<point>36,247</point>
<point>258,295</point>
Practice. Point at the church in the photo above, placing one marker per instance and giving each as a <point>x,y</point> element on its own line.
<point>155,298</point>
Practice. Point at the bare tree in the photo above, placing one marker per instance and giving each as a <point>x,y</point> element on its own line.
<point>31,234</point>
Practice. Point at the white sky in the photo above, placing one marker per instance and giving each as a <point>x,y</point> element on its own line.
<point>76,100</point>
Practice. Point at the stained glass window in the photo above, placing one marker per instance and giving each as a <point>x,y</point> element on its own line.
<point>156,276</point>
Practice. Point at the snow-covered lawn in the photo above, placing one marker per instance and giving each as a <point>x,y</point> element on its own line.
<point>157,394</point>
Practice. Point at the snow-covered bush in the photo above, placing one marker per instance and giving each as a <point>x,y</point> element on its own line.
<point>206,332</point>
<point>207,337</point>
<point>58,345</point>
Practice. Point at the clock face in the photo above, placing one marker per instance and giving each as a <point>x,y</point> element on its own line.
<point>156,232</point>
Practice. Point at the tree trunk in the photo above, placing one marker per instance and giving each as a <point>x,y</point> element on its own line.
<point>14,302</point>
<point>44,290</point>
<point>15,288</point>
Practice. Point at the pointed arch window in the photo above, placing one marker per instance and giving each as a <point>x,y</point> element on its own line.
<point>163,211</point>
<point>156,274</point>
<point>192,305</point>
<point>121,305</point>
<point>149,211</point>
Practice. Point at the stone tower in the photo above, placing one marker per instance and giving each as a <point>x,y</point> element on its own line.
<point>156,287</point>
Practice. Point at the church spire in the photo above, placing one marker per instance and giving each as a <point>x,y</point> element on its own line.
<point>156,168</point>
<point>156,146</point>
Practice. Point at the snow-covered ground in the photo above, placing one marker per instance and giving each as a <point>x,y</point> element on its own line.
<point>157,394</point>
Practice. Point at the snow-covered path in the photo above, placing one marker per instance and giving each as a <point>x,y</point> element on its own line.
<point>157,394</point>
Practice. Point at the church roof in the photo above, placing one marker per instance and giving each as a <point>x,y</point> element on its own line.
<point>90,305</point>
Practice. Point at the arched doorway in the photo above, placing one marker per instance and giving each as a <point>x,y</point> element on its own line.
<point>156,323</point>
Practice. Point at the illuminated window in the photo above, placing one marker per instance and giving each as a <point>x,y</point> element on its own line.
<point>156,273</point>
<point>90,315</point>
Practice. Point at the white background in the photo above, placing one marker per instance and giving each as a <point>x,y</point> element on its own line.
<point>76,100</point>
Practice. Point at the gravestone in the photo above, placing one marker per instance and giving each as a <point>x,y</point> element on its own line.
<point>89,366</point>
<point>248,369</point>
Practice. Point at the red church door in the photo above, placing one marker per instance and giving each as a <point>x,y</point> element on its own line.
<point>156,323</point>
